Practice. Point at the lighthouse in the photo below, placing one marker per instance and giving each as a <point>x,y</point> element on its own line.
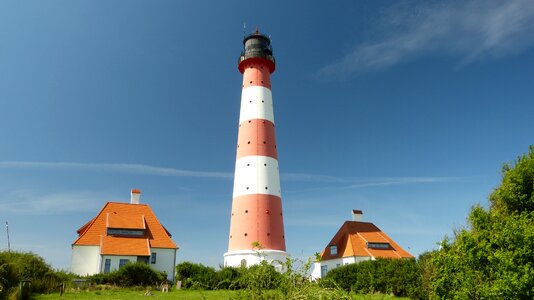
<point>256,224</point>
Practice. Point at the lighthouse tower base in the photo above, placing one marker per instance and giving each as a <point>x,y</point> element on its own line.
<point>247,258</point>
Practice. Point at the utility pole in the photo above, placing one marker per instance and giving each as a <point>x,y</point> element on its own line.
<point>7,230</point>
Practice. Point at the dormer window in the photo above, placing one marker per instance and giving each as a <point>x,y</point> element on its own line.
<point>380,246</point>
<point>333,249</point>
<point>126,232</point>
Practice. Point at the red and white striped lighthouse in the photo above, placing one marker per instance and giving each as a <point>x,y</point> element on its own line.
<point>256,226</point>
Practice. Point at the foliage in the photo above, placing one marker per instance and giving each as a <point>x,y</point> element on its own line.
<point>227,278</point>
<point>260,281</point>
<point>196,276</point>
<point>18,266</point>
<point>493,257</point>
<point>133,294</point>
<point>131,274</point>
<point>259,278</point>
<point>515,194</point>
<point>136,274</point>
<point>296,284</point>
<point>400,277</point>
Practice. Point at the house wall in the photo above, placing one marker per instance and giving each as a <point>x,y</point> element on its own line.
<point>115,259</point>
<point>165,261</point>
<point>335,263</point>
<point>85,260</point>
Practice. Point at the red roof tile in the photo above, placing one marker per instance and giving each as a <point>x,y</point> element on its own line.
<point>112,245</point>
<point>125,221</point>
<point>125,216</point>
<point>352,238</point>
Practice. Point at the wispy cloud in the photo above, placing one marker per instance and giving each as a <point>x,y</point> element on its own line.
<point>161,171</point>
<point>469,30</point>
<point>387,181</point>
<point>311,177</point>
<point>29,202</point>
<point>333,182</point>
<point>115,168</point>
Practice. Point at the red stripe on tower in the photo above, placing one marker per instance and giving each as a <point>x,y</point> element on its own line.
<point>256,225</point>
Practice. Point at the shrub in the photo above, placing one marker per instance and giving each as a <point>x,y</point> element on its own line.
<point>18,266</point>
<point>228,278</point>
<point>492,257</point>
<point>400,277</point>
<point>196,276</point>
<point>132,274</point>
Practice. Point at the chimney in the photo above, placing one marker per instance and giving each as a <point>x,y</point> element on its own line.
<point>357,215</point>
<point>136,194</point>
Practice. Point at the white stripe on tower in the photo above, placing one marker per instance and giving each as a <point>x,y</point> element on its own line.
<point>256,103</point>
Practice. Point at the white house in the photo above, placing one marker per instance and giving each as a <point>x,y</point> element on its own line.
<point>122,233</point>
<point>354,242</point>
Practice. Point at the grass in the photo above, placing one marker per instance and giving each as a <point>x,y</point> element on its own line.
<point>132,294</point>
<point>128,294</point>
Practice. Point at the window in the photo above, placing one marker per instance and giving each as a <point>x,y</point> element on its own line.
<point>153,258</point>
<point>333,250</point>
<point>107,265</point>
<point>338,265</point>
<point>383,246</point>
<point>243,263</point>
<point>324,270</point>
<point>126,232</point>
<point>122,262</point>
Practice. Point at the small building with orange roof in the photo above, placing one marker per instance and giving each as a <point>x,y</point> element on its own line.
<point>354,242</point>
<point>122,233</point>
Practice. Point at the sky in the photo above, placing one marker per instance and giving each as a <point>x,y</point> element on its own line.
<point>405,110</point>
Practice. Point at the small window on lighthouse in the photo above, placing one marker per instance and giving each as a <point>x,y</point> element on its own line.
<point>243,263</point>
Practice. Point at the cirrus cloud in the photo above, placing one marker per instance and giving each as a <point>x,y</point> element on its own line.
<point>468,30</point>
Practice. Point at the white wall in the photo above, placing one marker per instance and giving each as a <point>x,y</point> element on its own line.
<point>253,257</point>
<point>335,263</point>
<point>165,261</point>
<point>85,260</point>
<point>115,259</point>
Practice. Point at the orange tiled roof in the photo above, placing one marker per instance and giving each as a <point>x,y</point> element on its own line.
<point>116,220</point>
<point>112,245</point>
<point>125,216</point>
<point>352,238</point>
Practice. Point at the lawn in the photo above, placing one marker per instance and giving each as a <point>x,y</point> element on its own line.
<point>127,294</point>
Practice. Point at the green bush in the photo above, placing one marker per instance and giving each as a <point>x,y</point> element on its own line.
<point>19,266</point>
<point>228,278</point>
<point>492,258</point>
<point>260,277</point>
<point>196,276</point>
<point>131,274</point>
<point>400,277</point>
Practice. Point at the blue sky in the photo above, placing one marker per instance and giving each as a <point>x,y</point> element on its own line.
<point>404,110</point>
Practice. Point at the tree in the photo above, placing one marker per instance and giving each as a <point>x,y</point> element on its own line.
<point>493,257</point>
